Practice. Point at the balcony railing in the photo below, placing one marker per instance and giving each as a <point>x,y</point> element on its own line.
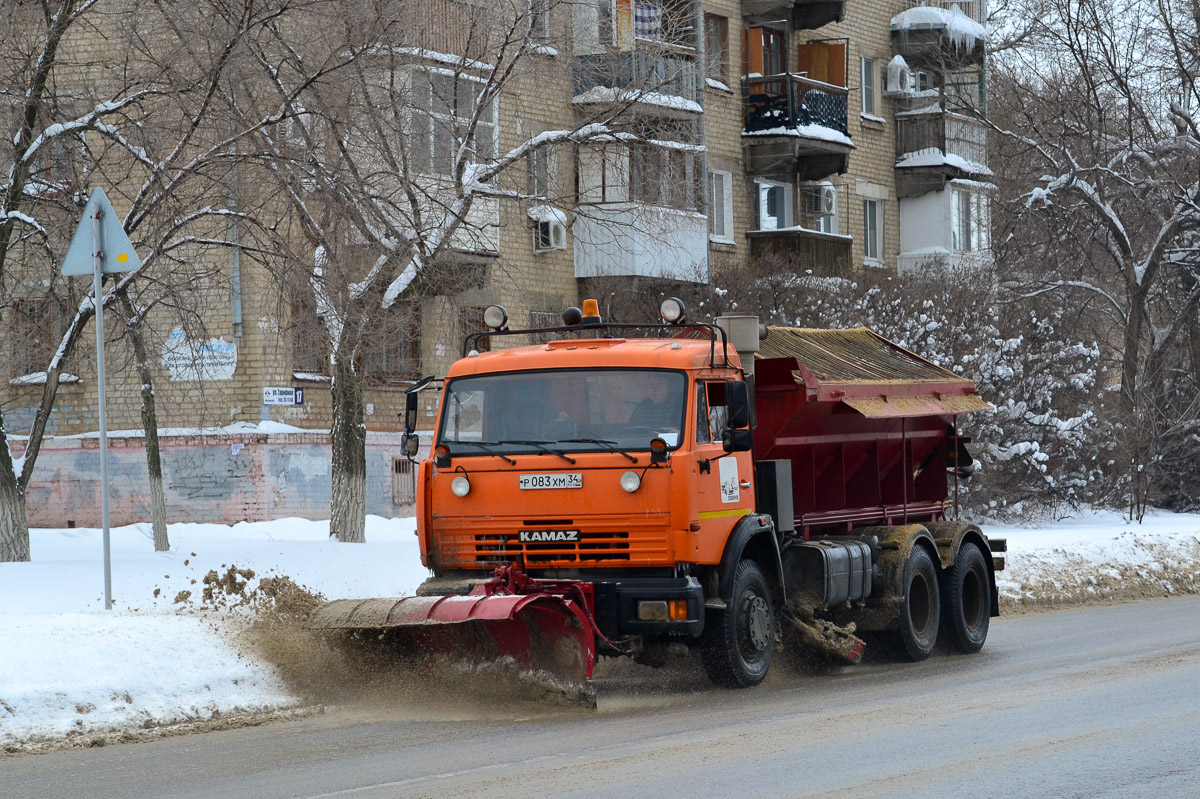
<point>953,134</point>
<point>640,72</point>
<point>822,254</point>
<point>792,101</point>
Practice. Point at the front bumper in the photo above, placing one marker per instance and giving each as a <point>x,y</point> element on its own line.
<point>617,606</point>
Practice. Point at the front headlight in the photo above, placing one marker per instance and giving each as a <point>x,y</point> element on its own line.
<point>461,486</point>
<point>630,481</point>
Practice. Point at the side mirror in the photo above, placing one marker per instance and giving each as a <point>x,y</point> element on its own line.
<point>737,440</point>
<point>410,404</point>
<point>410,444</point>
<point>737,401</point>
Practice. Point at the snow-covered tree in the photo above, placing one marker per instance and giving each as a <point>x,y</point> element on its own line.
<point>143,123</point>
<point>1100,149</point>
<point>391,157</point>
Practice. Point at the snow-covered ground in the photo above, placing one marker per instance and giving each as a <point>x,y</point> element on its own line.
<point>71,669</point>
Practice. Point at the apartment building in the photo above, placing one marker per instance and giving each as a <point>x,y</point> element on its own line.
<point>814,136</point>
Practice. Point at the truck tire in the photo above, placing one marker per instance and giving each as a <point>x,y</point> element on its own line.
<point>967,605</point>
<point>920,610</point>
<point>739,640</point>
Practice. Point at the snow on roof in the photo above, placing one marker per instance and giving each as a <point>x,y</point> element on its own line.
<point>932,156</point>
<point>805,131</point>
<point>961,29</point>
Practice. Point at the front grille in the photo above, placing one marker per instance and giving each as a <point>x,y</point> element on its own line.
<point>499,548</point>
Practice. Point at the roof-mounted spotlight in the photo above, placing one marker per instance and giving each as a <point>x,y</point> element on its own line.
<point>495,317</point>
<point>572,316</point>
<point>591,312</point>
<point>672,311</point>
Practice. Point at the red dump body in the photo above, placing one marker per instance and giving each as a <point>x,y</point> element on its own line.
<point>869,427</point>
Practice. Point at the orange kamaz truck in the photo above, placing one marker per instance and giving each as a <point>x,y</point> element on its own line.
<point>626,489</point>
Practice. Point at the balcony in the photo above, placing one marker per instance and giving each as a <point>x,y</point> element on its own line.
<point>941,32</point>
<point>824,254</point>
<point>795,126</point>
<point>650,77</point>
<point>633,239</point>
<point>934,145</point>
<point>804,14</point>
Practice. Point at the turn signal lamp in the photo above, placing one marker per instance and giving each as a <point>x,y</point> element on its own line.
<point>672,311</point>
<point>658,450</point>
<point>591,312</point>
<point>662,610</point>
<point>442,453</point>
<point>495,317</point>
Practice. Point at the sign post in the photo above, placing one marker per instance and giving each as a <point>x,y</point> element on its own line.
<point>99,227</point>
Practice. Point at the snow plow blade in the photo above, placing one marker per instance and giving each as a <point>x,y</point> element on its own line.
<point>543,633</point>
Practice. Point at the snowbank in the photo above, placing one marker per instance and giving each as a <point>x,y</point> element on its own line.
<point>72,670</point>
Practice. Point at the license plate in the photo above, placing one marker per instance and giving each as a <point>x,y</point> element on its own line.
<point>551,480</point>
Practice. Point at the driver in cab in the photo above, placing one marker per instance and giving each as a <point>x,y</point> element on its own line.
<point>661,409</point>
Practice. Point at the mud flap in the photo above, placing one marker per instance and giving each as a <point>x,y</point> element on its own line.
<point>543,633</point>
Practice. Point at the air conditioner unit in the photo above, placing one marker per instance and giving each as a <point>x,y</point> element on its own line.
<point>549,234</point>
<point>821,200</point>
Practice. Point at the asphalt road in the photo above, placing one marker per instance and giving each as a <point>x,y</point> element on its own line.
<point>1097,702</point>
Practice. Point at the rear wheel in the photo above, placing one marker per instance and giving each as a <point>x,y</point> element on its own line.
<point>739,640</point>
<point>920,609</point>
<point>968,599</point>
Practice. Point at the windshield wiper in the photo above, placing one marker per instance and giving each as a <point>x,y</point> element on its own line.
<point>609,445</point>
<point>540,445</point>
<point>487,446</point>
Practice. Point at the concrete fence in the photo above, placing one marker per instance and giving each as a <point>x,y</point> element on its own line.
<point>209,478</point>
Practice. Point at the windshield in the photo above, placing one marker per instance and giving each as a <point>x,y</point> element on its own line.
<point>580,410</point>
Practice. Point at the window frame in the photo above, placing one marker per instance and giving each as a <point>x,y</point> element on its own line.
<point>869,78</point>
<point>718,25</point>
<point>444,123</point>
<point>873,233</point>
<point>725,233</point>
<point>539,21</point>
<point>787,218</point>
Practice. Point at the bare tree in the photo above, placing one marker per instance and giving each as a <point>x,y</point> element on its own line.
<point>145,124</point>
<point>1098,109</point>
<point>390,159</point>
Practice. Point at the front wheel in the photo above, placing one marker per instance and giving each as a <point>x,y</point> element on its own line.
<point>968,599</point>
<point>739,640</point>
<point>920,608</point>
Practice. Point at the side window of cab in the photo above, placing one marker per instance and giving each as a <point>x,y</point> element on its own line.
<point>710,411</point>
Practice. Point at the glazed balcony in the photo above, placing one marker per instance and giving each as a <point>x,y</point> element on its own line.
<point>935,145</point>
<point>824,254</point>
<point>649,76</point>
<point>941,32</point>
<point>804,14</point>
<point>795,126</point>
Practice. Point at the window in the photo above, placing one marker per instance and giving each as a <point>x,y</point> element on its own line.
<point>710,412</point>
<point>720,205</point>
<point>542,164</point>
<point>539,21</point>
<point>969,221</point>
<point>772,52</point>
<point>443,104</point>
<point>872,230</point>
<point>665,21</point>
<point>310,345</point>
<point>471,321</point>
<point>652,174</point>
<point>716,47</point>
<point>774,205</point>
<point>870,87</point>
<point>32,336</point>
<point>395,354</point>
